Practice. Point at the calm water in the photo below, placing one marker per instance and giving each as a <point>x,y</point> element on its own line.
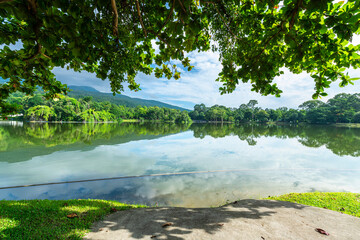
<point>221,163</point>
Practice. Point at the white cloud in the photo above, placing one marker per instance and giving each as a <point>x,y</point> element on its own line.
<point>199,85</point>
<point>282,171</point>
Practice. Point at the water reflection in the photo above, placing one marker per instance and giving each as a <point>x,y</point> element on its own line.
<point>35,139</point>
<point>14,136</point>
<point>260,160</point>
<point>341,141</point>
<point>195,190</point>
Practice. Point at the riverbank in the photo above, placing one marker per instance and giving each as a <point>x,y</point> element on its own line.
<point>72,219</point>
<point>348,203</point>
<point>348,125</point>
<point>53,219</point>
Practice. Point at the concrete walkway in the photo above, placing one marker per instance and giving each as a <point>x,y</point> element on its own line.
<point>245,219</point>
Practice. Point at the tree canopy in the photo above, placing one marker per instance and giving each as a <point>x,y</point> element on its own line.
<point>343,108</point>
<point>64,108</point>
<point>116,39</point>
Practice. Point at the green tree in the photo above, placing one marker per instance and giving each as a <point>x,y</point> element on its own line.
<point>274,115</point>
<point>311,104</point>
<point>262,116</point>
<point>292,115</point>
<point>356,118</point>
<point>35,100</point>
<point>319,115</point>
<point>40,113</point>
<point>113,39</point>
<point>222,113</point>
<point>183,118</point>
<point>88,99</point>
<point>251,104</point>
<point>89,115</point>
<point>239,115</point>
<point>199,112</point>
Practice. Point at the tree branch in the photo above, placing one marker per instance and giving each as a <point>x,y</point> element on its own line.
<point>160,38</point>
<point>223,20</point>
<point>291,24</point>
<point>32,5</point>
<point>182,6</point>
<point>45,55</point>
<point>5,1</point>
<point>266,43</point>
<point>295,11</point>
<point>116,17</point>
<point>34,55</point>
<point>139,14</point>
<point>32,8</point>
<point>168,17</point>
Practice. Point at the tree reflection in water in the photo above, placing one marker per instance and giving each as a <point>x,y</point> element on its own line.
<point>341,141</point>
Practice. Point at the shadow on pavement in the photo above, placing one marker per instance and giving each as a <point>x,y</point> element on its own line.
<point>148,223</point>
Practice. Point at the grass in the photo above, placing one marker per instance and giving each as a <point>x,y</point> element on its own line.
<point>349,125</point>
<point>47,219</point>
<point>131,120</point>
<point>348,203</point>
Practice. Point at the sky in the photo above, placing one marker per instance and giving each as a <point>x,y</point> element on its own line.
<point>199,85</point>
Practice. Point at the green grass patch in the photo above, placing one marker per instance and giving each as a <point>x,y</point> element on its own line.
<point>131,120</point>
<point>48,219</point>
<point>349,125</point>
<point>348,203</point>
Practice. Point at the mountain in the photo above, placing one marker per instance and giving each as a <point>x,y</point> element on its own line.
<point>83,88</point>
<point>120,99</point>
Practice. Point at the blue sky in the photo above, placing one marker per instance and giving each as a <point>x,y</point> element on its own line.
<point>199,85</point>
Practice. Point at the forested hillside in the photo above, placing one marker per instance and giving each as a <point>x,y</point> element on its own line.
<point>119,99</point>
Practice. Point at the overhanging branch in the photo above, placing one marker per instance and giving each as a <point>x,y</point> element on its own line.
<point>140,17</point>
<point>182,6</point>
<point>223,20</point>
<point>5,1</point>
<point>116,17</point>
<point>168,17</point>
<point>160,38</point>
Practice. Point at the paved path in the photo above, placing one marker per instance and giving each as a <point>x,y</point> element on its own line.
<point>245,219</point>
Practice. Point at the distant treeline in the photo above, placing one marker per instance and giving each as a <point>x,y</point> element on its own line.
<point>63,108</point>
<point>343,108</point>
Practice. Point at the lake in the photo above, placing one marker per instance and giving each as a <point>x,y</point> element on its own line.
<point>198,165</point>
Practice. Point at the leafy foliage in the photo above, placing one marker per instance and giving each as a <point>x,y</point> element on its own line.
<point>114,40</point>
<point>40,112</point>
<point>37,108</point>
<point>343,108</point>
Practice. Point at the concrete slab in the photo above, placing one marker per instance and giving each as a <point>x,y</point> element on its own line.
<point>245,219</point>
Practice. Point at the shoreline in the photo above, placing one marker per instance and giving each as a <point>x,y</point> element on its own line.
<point>75,218</point>
<point>348,125</point>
